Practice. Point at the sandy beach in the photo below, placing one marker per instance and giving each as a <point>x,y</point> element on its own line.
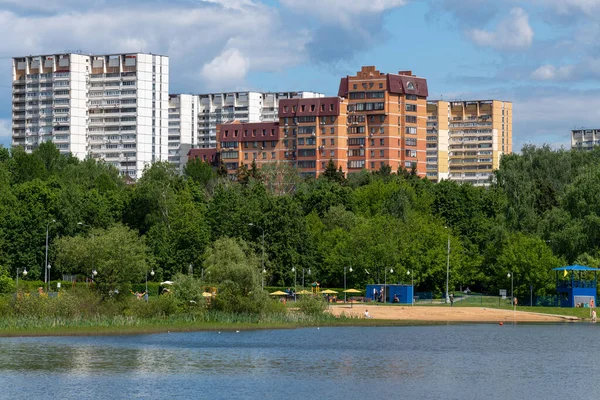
<point>445,314</point>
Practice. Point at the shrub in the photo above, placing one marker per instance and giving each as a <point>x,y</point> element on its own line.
<point>311,305</point>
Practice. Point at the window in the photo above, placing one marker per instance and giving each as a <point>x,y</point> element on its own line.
<point>382,118</point>
<point>411,107</point>
<point>332,131</point>
<point>331,153</point>
<point>411,97</point>
<point>264,155</point>
<point>410,153</point>
<point>300,141</point>
<point>411,130</point>
<point>375,95</point>
<point>354,86</point>
<point>372,153</point>
<point>411,119</point>
<point>357,95</point>
<point>380,153</point>
<point>285,109</point>
<point>411,142</point>
<point>382,130</point>
<point>323,142</point>
<point>382,142</point>
<point>332,141</point>
<point>245,156</point>
<point>356,141</point>
<point>272,155</point>
<point>381,86</point>
<point>372,142</point>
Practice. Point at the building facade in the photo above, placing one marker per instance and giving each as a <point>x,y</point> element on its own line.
<point>313,132</point>
<point>585,139</point>
<point>223,108</point>
<point>109,107</point>
<point>183,127</point>
<point>469,136</point>
<point>386,120</point>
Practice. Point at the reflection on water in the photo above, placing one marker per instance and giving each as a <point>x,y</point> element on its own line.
<point>456,361</point>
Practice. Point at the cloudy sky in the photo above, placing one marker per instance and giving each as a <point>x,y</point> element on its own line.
<point>540,54</point>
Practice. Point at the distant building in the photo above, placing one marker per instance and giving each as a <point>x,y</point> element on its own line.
<point>471,136</point>
<point>386,120</point>
<point>222,108</point>
<point>585,139</point>
<point>183,127</point>
<point>111,107</point>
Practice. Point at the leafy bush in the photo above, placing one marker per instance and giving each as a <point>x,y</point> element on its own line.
<point>310,305</point>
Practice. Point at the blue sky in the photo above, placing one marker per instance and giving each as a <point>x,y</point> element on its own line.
<point>540,54</point>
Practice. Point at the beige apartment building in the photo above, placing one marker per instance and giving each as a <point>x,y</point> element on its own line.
<point>469,138</point>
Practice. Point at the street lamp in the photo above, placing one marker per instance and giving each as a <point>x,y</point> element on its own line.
<point>46,266</point>
<point>412,283</point>
<point>24,275</point>
<point>264,271</point>
<point>151,274</point>
<point>385,292</point>
<point>308,273</point>
<point>448,268</point>
<point>94,272</point>
<point>263,251</point>
<point>295,280</point>
<point>48,283</point>
<point>349,270</point>
<point>512,296</point>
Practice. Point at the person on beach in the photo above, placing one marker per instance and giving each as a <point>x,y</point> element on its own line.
<point>594,316</point>
<point>367,315</point>
<point>451,299</point>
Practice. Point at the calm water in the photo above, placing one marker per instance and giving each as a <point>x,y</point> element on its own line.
<point>432,362</point>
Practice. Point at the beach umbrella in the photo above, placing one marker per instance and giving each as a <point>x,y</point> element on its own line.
<point>304,292</point>
<point>166,283</point>
<point>278,293</point>
<point>206,294</point>
<point>352,291</point>
<point>328,291</point>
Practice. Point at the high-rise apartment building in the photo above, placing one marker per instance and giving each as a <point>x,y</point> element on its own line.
<point>386,120</point>
<point>477,133</point>
<point>437,140</point>
<point>110,107</point>
<point>223,108</point>
<point>183,127</point>
<point>585,139</point>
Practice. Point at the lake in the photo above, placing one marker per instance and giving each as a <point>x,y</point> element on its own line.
<point>484,361</point>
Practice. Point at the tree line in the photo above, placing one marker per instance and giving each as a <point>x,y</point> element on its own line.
<point>541,211</point>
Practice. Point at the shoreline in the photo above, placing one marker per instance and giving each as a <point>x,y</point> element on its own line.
<point>346,316</point>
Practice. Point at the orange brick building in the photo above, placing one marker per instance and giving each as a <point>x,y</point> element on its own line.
<point>387,120</point>
<point>313,132</point>
<point>376,119</point>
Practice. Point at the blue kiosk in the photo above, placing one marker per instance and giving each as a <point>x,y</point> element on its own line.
<point>403,292</point>
<point>575,287</point>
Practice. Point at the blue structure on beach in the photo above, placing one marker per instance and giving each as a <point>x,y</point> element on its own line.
<point>405,293</point>
<point>575,286</point>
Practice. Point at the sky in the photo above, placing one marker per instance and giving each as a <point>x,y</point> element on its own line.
<point>540,54</point>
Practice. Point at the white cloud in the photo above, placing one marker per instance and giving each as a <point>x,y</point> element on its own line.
<point>341,11</point>
<point>512,32</point>
<point>229,67</point>
<point>550,72</point>
<point>567,7</point>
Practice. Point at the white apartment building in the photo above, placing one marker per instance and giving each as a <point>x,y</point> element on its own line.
<point>183,127</point>
<point>585,139</point>
<point>110,107</point>
<point>220,108</point>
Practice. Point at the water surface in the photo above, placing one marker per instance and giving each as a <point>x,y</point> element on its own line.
<point>412,362</point>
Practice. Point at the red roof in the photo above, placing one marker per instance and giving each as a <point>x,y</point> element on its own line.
<point>318,106</point>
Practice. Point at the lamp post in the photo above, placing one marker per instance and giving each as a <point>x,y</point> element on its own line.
<point>412,283</point>
<point>512,295</point>
<point>24,275</point>
<point>263,251</point>
<point>349,270</point>
<point>385,292</point>
<point>94,272</point>
<point>295,280</point>
<point>151,274</point>
<point>308,273</point>
<point>448,268</point>
<point>46,266</point>
<point>48,283</point>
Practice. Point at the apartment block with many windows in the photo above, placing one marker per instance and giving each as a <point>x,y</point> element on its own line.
<point>437,140</point>
<point>241,143</point>
<point>313,132</point>
<point>480,132</point>
<point>386,120</point>
<point>183,127</point>
<point>110,107</point>
<point>585,139</point>
<point>223,108</point>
